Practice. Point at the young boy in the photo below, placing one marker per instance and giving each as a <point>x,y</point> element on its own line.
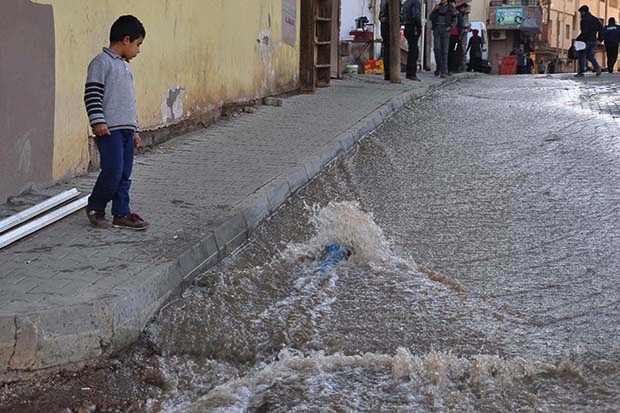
<point>111,107</point>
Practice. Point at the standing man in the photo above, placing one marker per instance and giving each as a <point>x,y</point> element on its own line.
<point>462,44</point>
<point>529,64</point>
<point>474,47</point>
<point>455,36</point>
<point>412,19</point>
<point>384,19</point>
<point>611,37</point>
<point>443,18</point>
<point>592,35</point>
<point>520,61</point>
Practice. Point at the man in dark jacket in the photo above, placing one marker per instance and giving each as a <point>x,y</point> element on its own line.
<point>443,18</point>
<point>412,19</point>
<point>455,37</point>
<point>611,37</point>
<point>384,19</point>
<point>591,34</point>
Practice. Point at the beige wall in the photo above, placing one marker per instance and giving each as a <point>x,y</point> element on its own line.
<point>197,55</point>
<point>479,11</point>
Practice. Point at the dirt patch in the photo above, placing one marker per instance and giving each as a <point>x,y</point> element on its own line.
<point>122,384</point>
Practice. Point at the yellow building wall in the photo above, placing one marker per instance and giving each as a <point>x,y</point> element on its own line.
<point>197,55</point>
<point>479,11</point>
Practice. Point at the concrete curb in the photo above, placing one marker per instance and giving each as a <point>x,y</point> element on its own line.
<point>66,337</point>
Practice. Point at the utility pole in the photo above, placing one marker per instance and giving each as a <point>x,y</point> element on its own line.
<point>395,41</point>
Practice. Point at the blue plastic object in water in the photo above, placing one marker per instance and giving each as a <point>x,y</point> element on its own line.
<point>334,253</point>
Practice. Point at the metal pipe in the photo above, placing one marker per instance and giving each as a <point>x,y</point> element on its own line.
<point>37,209</point>
<point>41,222</point>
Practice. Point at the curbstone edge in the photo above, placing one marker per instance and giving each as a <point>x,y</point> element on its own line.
<point>255,209</point>
<point>7,339</point>
<point>231,234</point>
<point>297,178</point>
<point>277,192</point>
<point>313,166</point>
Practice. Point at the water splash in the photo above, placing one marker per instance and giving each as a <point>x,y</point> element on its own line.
<point>403,382</point>
<point>347,224</point>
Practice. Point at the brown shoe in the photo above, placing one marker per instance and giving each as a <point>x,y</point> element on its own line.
<point>96,218</point>
<point>131,221</point>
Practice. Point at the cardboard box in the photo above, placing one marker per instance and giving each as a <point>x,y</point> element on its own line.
<point>362,36</point>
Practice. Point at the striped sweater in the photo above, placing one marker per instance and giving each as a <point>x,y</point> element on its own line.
<point>109,96</point>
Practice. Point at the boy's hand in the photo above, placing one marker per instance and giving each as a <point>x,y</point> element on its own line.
<point>137,141</point>
<point>101,129</point>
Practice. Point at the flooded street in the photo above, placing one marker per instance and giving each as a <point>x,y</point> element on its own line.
<point>484,224</point>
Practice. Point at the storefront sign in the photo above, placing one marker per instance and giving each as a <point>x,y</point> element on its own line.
<point>289,21</point>
<point>509,16</point>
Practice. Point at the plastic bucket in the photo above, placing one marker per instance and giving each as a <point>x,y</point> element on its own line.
<point>352,69</point>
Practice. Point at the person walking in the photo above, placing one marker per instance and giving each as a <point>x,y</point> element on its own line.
<point>111,107</point>
<point>463,8</point>
<point>455,34</point>
<point>529,64</point>
<point>412,19</point>
<point>443,19</point>
<point>520,60</point>
<point>384,20</point>
<point>474,47</point>
<point>592,35</point>
<point>611,37</point>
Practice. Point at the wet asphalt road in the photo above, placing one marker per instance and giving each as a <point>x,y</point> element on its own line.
<point>504,192</point>
<point>510,186</point>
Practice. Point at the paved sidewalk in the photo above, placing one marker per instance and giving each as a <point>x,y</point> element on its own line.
<point>72,293</point>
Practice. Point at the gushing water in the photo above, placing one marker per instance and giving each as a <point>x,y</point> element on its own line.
<point>514,309</point>
<point>375,334</point>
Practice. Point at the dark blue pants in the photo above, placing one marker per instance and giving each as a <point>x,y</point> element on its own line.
<point>413,52</point>
<point>116,152</point>
<point>589,55</point>
<point>612,55</point>
<point>441,44</point>
<point>385,35</point>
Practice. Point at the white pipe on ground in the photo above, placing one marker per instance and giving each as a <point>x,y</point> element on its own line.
<point>37,209</point>
<point>41,222</point>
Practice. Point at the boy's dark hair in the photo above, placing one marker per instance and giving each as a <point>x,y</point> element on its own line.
<point>126,26</point>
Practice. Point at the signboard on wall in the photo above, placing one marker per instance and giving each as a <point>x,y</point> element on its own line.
<point>509,16</point>
<point>525,18</point>
<point>289,21</point>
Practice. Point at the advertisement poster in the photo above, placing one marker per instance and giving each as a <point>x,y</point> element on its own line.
<point>289,20</point>
<point>508,16</point>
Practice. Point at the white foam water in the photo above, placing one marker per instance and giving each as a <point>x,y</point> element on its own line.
<point>368,383</point>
